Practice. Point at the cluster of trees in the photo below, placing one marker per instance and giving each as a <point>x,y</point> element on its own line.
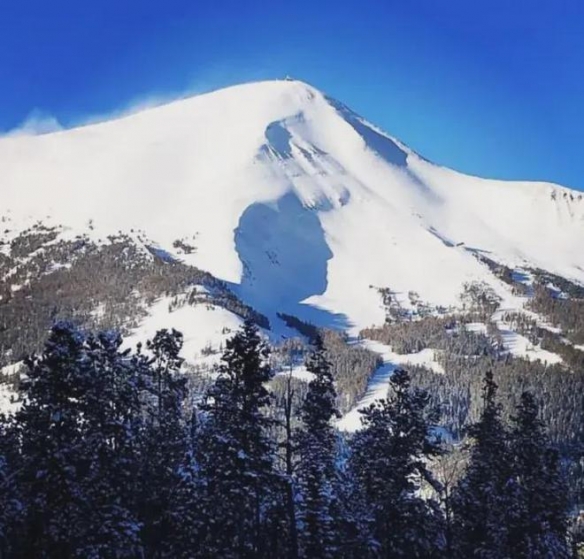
<point>458,394</point>
<point>556,298</point>
<point>567,313</point>
<point>547,339</point>
<point>396,312</point>
<point>47,278</point>
<point>479,301</point>
<point>466,356</point>
<point>351,365</point>
<point>443,333</point>
<point>111,456</point>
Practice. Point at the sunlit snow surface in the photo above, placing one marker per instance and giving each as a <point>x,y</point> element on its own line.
<point>8,399</point>
<point>294,199</point>
<point>205,329</point>
<point>299,205</point>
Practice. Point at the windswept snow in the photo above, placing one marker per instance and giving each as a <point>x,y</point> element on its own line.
<point>295,200</point>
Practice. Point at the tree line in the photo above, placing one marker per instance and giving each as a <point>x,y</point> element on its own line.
<point>466,356</point>
<point>111,456</point>
<point>107,284</point>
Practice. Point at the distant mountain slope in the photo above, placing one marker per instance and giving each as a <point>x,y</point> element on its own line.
<point>294,201</point>
<point>272,201</point>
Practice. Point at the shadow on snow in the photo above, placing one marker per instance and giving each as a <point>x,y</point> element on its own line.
<point>284,253</point>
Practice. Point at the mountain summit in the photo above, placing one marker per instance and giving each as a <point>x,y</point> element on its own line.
<point>297,203</point>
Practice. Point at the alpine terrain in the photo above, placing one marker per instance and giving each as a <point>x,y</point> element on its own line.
<point>268,197</point>
<point>308,260</point>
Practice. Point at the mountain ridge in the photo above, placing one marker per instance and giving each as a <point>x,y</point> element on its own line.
<point>295,201</point>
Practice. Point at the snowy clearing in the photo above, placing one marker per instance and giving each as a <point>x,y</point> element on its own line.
<point>204,327</point>
<point>379,383</point>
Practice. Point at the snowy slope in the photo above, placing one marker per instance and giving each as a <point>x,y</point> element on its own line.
<point>8,399</point>
<point>297,202</point>
<point>378,386</point>
<point>205,329</point>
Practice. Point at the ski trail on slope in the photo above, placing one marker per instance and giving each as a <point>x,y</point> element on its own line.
<point>378,384</point>
<point>514,343</point>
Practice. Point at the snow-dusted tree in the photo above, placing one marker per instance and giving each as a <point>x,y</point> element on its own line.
<point>389,460</point>
<point>448,469</point>
<point>113,427</point>
<point>235,453</point>
<point>352,513</point>
<point>538,525</point>
<point>187,515</point>
<point>166,443</point>
<point>78,428</point>
<point>289,447</point>
<point>53,446</point>
<point>483,498</point>
<point>317,478</point>
<point>12,505</point>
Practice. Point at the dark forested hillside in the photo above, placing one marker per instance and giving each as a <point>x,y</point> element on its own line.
<point>136,453</point>
<point>108,284</point>
<point>109,456</point>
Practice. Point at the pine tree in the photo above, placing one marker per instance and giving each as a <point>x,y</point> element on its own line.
<point>482,501</point>
<point>113,426</point>
<point>538,527</point>
<point>353,515</point>
<point>101,461</point>
<point>53,446</point>
<point>78,428</point>
<point>389,460</point>
<point>235,452</point>
<point>166,443</point>
<point>188,516</point>
<point>289,446</point>
<point>12,507</point>
<point>316,470</point>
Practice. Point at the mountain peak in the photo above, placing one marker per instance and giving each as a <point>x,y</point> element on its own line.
<point>293,199</point>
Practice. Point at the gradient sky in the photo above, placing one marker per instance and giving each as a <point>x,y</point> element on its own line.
<point>489,87</point>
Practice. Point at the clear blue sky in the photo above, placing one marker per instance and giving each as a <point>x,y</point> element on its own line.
<point>489,87</point>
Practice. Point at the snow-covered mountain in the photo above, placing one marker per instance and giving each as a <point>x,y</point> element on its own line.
<point>293,200</point>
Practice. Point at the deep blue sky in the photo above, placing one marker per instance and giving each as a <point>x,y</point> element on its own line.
<point>489,87</point>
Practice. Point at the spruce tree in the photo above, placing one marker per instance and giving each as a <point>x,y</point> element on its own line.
<point>113,426</point>
<point>235,453</point>
<point>188,515</point>
<point>482,500</point>
<point>53,446</point>
<point>352,513</point>
<point>316,470</point>
<point>538,526</point>
<point>289,446</point>
<point>166,443</point>
<point>79,429</point>
<point>389,460</point>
